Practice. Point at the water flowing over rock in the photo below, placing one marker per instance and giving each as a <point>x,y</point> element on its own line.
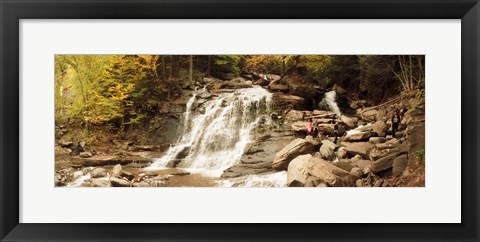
<point>216,139</point>
<point>331,103</point>
<point>259,155</point>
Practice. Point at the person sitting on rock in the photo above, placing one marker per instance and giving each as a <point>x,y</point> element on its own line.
<point>395,121</point>
<point>309,126</point>
<point>335,131</point>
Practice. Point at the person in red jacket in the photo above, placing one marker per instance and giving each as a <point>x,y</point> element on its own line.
<point>309,126</point>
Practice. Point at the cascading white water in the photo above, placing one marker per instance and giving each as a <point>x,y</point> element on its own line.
<point>215,140</point>
<point>358,130</point>
<point>330,98</point>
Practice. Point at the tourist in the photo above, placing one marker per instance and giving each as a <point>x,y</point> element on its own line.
<point>335,131</point>
<point>309,126</point>
<point>395,121</point>
<point>315,128</point>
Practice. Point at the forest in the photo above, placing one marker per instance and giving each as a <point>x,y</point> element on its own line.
<point>116,105</point>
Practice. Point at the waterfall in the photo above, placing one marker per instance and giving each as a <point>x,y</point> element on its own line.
<point>330,99</point>
<point>216,138</point>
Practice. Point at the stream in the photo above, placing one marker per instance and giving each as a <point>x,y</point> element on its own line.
<point>215,130</point>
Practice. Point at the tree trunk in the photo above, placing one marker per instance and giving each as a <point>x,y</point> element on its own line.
<point>163,67</point>
<point>209,67</point>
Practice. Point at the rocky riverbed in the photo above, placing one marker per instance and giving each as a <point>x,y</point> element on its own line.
<point>262,142</point>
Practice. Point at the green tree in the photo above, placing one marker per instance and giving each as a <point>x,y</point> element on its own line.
<point>82,75</point>
<point>224,64</point>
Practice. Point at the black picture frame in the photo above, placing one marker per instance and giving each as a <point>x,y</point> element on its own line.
<point>11,11</point>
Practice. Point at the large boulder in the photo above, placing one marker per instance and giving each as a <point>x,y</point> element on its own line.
<point>377,140</point>
<point>278,87</point>
<point>204,95</point>
<point>399,164</point>
<point>328,129</point>
<point>324,114</point>
<point>380,128</point>
<point>358,148</point>
<point>299,86</point>
<point>359,136</point>
<point>272,77</point>
<point>349,121</point>
<point>329,173</point>
<point>311,140</point>
<point>327,150</point>
<point>299,126</point>
<point>377,153</point>
<point>100,183</point>
<point>297,115</point>
<point>98,172</point>
<point>297,173</point>
<point>362,164</point>
<point>258,156</point>
<point>386,162</point>
<point>183,153</point>
<point>344,165</point>
<point>118,182</point>
<point>369,115</point>
<point>342,153</point>
<point>85,154</point>
<point>416,139</point>
<point>116,171</point>
<point>283,101</point>
<point>327,153</point>
<point>312,181</point>
<point>288,153</point>
<point>329,144</point>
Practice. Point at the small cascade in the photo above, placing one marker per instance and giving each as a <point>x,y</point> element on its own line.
<point>331,101</point>
<point>216,139</point>
<point>358,130</point>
